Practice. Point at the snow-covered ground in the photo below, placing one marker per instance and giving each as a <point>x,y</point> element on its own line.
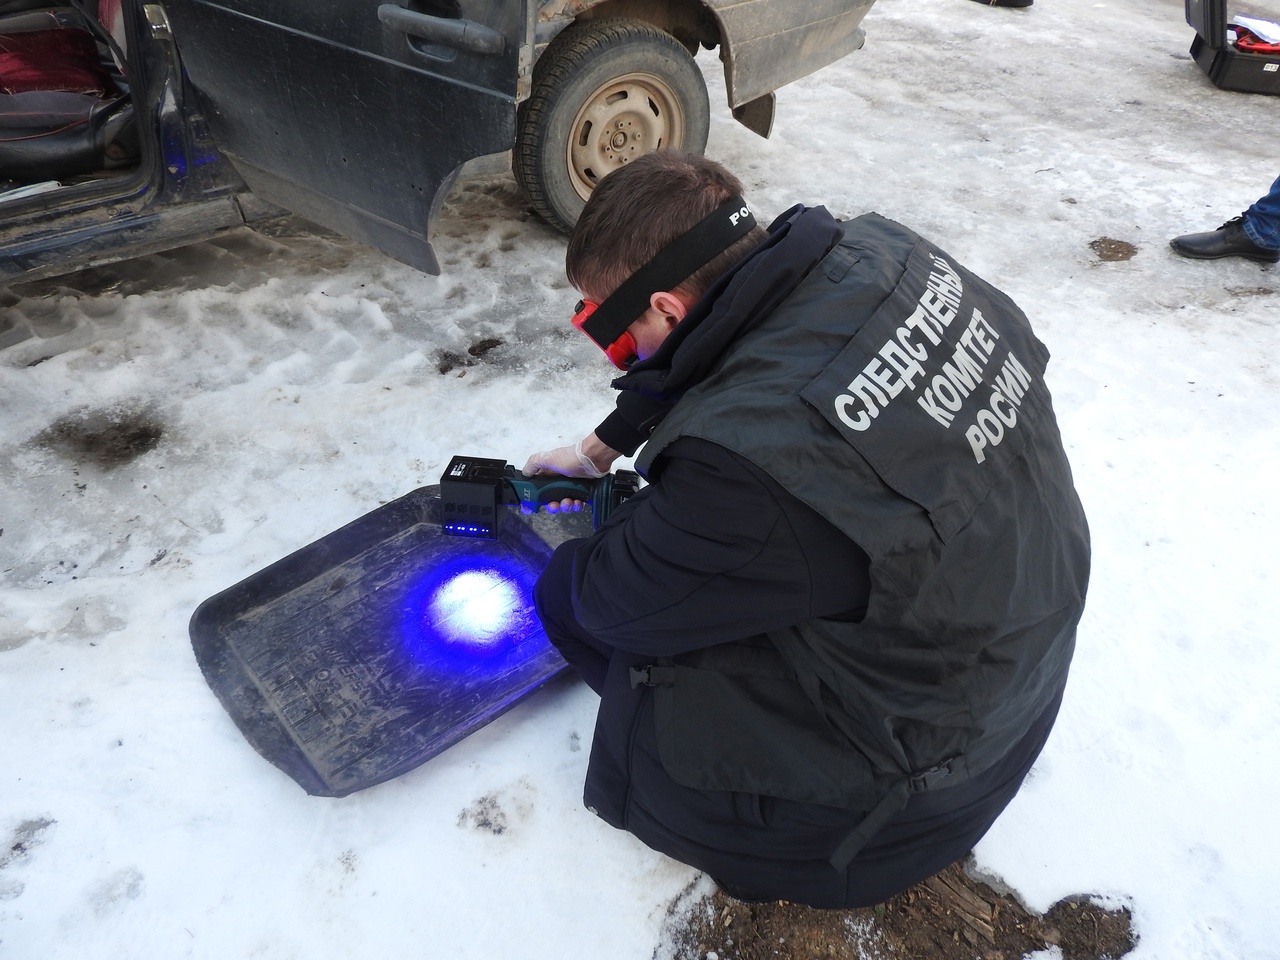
<point>295,382</point>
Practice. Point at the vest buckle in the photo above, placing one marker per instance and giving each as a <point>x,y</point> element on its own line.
<point>653,675</point>
<point>920,782</point>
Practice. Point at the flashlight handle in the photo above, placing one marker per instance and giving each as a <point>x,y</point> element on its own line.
<point>604,494</point>
<point>534,492</point>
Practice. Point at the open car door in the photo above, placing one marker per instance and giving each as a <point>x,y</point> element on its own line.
<point>356,113</point>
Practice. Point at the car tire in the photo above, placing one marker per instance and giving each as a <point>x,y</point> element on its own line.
<point>604,92</point>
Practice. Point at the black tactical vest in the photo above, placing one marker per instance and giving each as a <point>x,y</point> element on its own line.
<point>903,398</point>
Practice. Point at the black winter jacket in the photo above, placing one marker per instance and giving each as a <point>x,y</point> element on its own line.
<point>720,566</point>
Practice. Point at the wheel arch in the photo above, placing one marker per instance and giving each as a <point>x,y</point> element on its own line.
<point>691,22</point>
<point>762,45</point>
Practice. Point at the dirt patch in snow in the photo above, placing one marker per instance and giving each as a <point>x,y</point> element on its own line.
<point>107,439</point>
<point>951,916</point>
<point>1113,250</point>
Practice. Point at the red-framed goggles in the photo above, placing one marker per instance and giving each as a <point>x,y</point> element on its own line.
<point>622,352</point>
<point>606,322</point>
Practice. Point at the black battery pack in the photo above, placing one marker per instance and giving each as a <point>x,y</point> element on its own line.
<point>1226,66</point>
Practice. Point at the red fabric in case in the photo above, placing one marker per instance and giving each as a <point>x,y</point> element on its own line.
<point>1249,42</point>
<point>63,60</point>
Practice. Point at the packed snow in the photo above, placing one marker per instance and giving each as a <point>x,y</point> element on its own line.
<point>296,381</point>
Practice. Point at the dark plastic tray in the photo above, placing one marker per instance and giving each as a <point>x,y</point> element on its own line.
<point>371,650</point>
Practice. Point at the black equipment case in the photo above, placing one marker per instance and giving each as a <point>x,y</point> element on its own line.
<point>1227,66</point>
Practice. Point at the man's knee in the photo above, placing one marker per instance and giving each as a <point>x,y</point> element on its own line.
<point>552,594</point>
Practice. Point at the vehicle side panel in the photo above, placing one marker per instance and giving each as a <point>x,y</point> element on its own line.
<point>104,238</point>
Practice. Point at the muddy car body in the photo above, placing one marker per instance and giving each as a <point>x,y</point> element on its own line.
<point>359,114</point>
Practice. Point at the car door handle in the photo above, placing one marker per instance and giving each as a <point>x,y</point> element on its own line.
<point>463,34</point>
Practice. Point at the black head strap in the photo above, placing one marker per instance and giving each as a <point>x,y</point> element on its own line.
<point>675,262</point>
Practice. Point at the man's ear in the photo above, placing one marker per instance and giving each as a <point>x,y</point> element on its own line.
<point>670,305</point>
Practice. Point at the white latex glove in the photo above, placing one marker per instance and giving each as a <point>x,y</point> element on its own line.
<point>583,459</point>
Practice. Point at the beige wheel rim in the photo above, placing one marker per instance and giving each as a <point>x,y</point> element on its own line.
<point>623,119</point>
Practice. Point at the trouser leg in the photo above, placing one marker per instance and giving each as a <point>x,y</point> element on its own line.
<point>553,598</point>
<point>1262,219</point>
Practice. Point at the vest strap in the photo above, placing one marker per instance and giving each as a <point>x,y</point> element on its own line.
<point>893,802</point>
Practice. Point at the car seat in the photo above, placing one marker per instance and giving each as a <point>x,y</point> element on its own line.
<point>65,108</point>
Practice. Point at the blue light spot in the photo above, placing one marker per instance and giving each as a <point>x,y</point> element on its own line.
<point>470,611</point>
<point>474,607</point>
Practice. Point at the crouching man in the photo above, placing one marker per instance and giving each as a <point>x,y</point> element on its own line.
<point>831,635</point>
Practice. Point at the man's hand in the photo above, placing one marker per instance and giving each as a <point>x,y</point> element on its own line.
<point>589,457</point>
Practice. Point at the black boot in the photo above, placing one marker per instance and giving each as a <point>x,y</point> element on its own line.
<point>1007,3</point>
<point>734,892</point>
<point>1229,240</point>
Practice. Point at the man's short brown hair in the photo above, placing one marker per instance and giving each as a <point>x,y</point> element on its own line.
<point>639,209</point>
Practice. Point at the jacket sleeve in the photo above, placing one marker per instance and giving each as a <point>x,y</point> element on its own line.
<point>630,423</point>
<point>713,551</point>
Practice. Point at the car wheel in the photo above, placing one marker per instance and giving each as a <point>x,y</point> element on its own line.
<point>604,93</point>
